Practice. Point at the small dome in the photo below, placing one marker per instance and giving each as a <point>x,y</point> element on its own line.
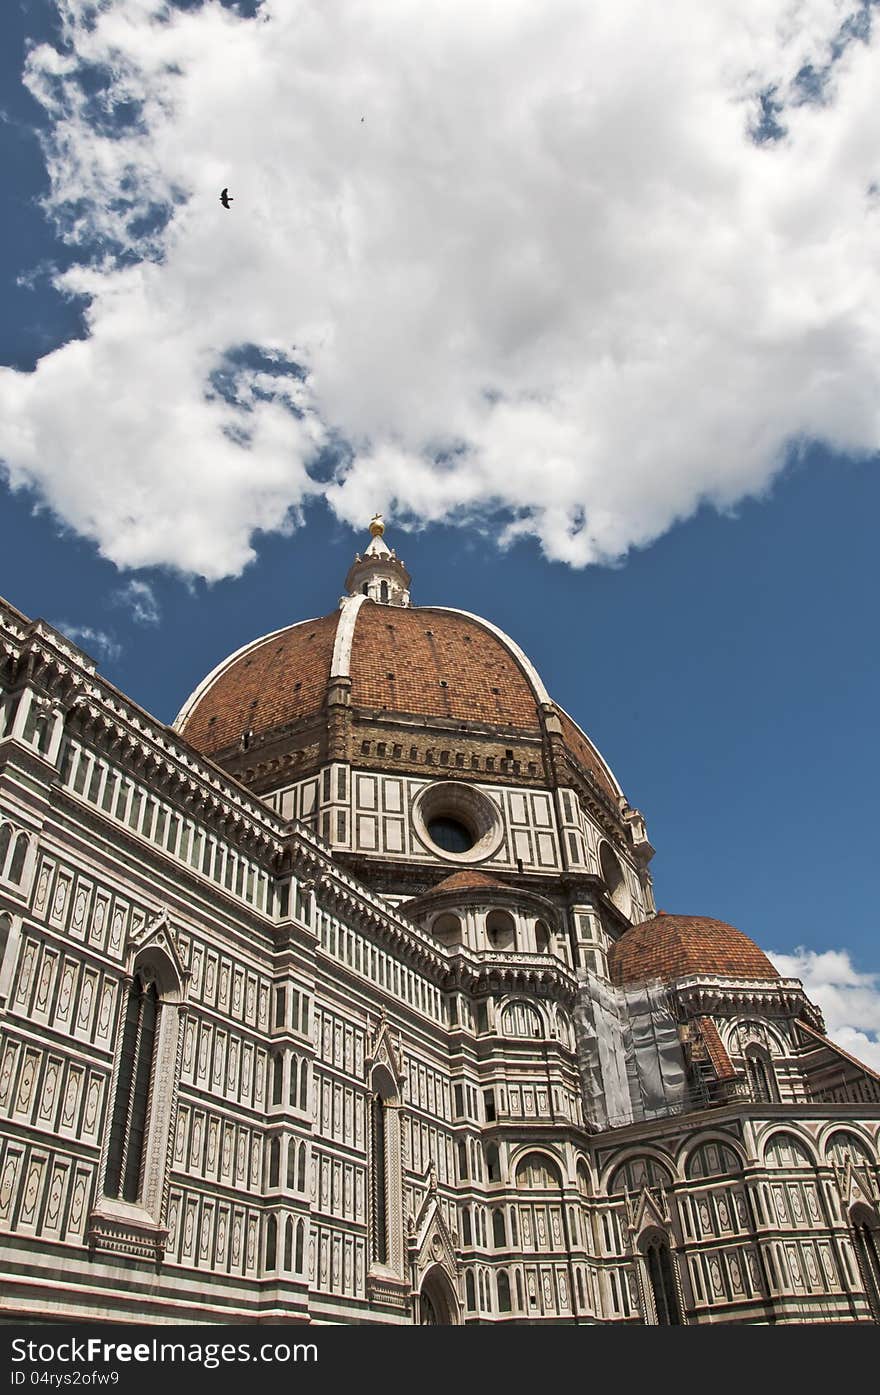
<point>670,947</point>
<point>465,881</point>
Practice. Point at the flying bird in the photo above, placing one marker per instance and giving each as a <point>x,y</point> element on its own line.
<point>226,198</point>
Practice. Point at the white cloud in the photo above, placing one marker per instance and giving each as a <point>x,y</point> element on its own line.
<point>550,271</point>
<point>97,643</point>
<point>849,999</point>
<point>140,600</point>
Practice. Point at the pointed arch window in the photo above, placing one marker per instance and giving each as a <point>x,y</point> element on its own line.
<point>386,1175</point>
<point>139,1117</point>
<point>661,1275</point>
<point>271,1242</point>
<point>123,1178</point>
<point>761,1076</point>
<point>379,1180</point>
<point>288,1244</point>
<point>277,1077</point>
<point>274,1161</point>
<point>300,1245</point>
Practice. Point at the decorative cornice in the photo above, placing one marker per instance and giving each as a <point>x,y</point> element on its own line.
<point>776,997</point>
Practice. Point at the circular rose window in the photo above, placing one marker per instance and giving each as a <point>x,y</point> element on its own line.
<point>457,822</point>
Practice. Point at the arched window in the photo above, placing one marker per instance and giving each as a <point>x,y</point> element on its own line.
<point>542,938</point>
<point>16,867</point>
<point>379,1168</point>
<point>5,931</point>
<point>493,1163</point>
<point>300,1245</point>
<point>304,1086</point>
<point>520,1019</point>
<point>383,590</point>
<point>274,1161</point>
<point>501,930</point>
<point>712,1160</point>
<point>301,1169</point>
<point>658,1260</point>
<point>461,1151</point>
<point>784,1150</point>
<point>499,1237</point>
<point>288,1245</point>
<point>386,1172</point>
<point>583,1178</point>
<point>271,1242</point>
<point>564,1029</point>
<point>5,840</point>
<point>293,1084</point>
<point>466,1236</point>
<point>503,1292</point>
<point>637,1173</point>
<point>843,1147</point>
<point>447,929</point>
<point>122,1178</point>
<point>536,1171</point>
<point>761,1076</point>
<point>470,1293</point>
<point>519,1291</point>
<point>291,1165</point>
<point>514,1229</point>
<point>612,875</point>
<point>277,1077</point>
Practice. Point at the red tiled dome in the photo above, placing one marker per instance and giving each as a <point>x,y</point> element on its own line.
<point>677,946</point>
<point>280,679</point>
<point>422,661</point>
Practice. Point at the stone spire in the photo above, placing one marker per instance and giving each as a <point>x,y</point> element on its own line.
<point>379,573</point>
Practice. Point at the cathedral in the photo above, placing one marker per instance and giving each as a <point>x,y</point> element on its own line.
<point>345,999</point>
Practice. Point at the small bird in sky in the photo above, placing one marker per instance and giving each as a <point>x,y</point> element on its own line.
<point>226,198</point>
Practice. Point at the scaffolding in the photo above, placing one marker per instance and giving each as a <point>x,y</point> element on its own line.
<point>630,1053</point>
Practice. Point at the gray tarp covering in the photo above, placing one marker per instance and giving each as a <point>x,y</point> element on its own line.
<point>629,1053</point>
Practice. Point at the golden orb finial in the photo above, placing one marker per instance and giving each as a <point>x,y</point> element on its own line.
<point>377,527</point>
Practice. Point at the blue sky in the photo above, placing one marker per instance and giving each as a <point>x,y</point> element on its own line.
<point>667,495</point>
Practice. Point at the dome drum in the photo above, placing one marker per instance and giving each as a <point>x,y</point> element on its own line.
<point>457,822</point>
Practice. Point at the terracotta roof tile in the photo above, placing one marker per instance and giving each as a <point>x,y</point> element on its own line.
<point>429,663</point>
<point>675,946</point>
<point>721,1062</point>
<point>438,665</point>
<point>282,680</point>
<point>465,881</point>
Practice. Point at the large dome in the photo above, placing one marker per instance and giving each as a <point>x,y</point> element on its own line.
<point>670,947</point>
<point>418,660</point>
<point>428,665</point>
